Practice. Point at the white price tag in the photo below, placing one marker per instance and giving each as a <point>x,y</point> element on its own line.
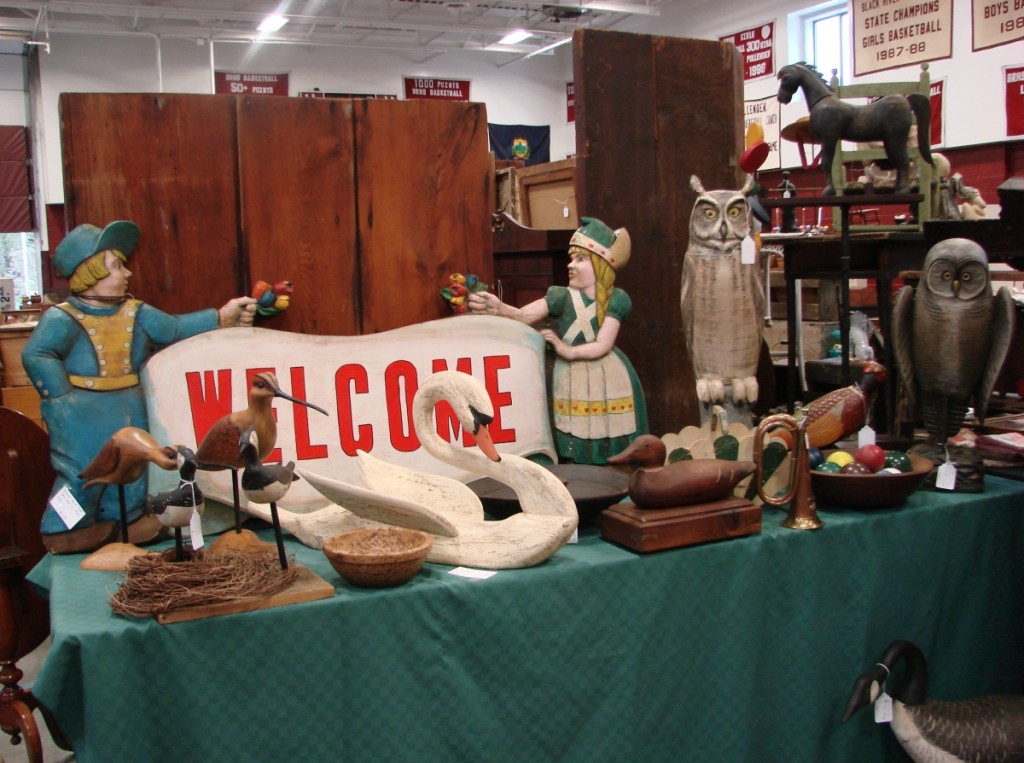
<point>67,507</point>
<point>945,478</point>
<point>748,251</point>
<point>565,211</point>
<point>866,436</point>
<point>883,708</point>
<point>469,572</point>
<point>195,530</point>
<point>575,536</point>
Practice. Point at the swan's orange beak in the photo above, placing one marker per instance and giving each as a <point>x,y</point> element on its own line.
<point>485,443</point>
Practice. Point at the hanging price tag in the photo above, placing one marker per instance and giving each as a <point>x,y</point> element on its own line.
<point>945,478</point>
<point>67,507</point>
<point>883,708</point>
<point>195,530</point>
<point>748,251</point>
<point>866,436</point>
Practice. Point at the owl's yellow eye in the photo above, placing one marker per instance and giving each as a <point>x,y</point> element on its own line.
<point>710,213</point>
<point>947,276</point>
<point>965,277</point>
<point>734,213</point>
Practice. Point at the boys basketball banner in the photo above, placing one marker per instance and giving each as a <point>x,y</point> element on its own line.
<point>433,89</point>
<point>238,83</point>
<point>996,23</point>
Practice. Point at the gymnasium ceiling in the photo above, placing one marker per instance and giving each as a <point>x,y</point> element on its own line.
<point>430,26</point>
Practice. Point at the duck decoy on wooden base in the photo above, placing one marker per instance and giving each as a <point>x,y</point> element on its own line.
<point>220,447</point>
<point>175,508</point>
<point>678,504</point>
<point>266,483</point>
<point>122,460</point>
<point>983,729</point>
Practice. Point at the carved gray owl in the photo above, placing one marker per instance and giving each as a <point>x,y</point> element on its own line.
<point>951,336</point>
<point>722,300</point>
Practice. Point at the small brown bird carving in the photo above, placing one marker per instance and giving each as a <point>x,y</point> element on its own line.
<point>125,456</point>
<point>220,447</point>
<point>842,412</point>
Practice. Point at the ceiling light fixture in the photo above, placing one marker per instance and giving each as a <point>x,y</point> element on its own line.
<point>515,36</point>
<point>620,7</point>
<point>547,48</point>
<point>272,23</point>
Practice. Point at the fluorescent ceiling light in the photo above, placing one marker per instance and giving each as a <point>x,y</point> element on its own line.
<point>517,35</point>
<point>272,23</point>
<point>619,7</point>
<point>550,47</point>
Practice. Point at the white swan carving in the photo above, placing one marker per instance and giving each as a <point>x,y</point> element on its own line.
<point>442,506</point>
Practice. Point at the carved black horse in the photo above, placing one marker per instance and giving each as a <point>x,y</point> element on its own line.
<point>888,119</point>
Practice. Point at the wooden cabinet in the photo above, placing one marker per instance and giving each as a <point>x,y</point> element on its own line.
<point>365,205</point>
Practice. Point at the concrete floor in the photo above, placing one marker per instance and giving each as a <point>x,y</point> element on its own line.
<point>10,753</point>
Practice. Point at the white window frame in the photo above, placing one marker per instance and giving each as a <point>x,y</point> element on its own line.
<point>804,24</point>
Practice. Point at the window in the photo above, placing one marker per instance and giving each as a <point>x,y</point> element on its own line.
<point>824,39</point>
<point>19,260</point>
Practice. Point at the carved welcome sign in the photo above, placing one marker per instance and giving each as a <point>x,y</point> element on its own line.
<point>366,383</point>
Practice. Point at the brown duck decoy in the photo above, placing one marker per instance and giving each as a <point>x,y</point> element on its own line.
<point>220,447</point>
<point>656,485</point>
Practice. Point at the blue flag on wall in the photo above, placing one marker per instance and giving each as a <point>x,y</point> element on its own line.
<point>529,142</point>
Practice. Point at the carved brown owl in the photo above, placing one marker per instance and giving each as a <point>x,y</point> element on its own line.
<point>722,300</point>
<point>951,336</point>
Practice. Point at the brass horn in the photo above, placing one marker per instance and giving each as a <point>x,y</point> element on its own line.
<point>803,512</point>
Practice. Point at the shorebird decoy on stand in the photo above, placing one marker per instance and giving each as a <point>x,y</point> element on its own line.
<point>175,508</point>
<point>266,483</point>
<point>123,459</point>
<point>221,449</point>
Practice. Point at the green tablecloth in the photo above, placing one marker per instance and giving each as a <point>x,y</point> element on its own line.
<point>738,651</point>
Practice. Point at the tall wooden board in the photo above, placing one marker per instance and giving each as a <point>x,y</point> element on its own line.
<point>650,112</point>
<point>166,162</point>
<point>298,198</point>
<point>424,181</point>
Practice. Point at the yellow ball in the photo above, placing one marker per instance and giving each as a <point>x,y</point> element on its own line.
<point>840,457</point>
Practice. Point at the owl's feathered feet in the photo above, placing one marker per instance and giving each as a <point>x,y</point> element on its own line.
<point>710,389</point>
<point>745,390</point>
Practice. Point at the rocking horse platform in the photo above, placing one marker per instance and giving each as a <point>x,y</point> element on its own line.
<point>646,530</point>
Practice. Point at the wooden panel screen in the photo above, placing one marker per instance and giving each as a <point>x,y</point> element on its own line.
<point>297,178</point>
<point>15,191</point>
<point>166,162</point>
<point>424,188</point>
<point>650,112</point>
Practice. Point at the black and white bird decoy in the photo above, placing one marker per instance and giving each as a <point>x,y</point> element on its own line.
<point>174,508</point>
<point>265,483</point>
<point>982,729</point>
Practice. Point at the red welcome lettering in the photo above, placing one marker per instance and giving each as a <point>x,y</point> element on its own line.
<point>208,400</point>
<point>492,365</point>
<point>348,380</point>
<point>448,424</point>
<point>400,385</point>
<point>304,450</point>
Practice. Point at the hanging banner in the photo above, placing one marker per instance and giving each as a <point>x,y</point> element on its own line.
<point>758,48</point>
<point>532,143</point>
<point>436,89</point>
<point>570,102</point>
<point>1014,101</point>
<point>996,23</point>
<point>237,83</point>
<point>317,93</point>
<point>936,88</point>
<point>765,111</point>
<point>888,34</point>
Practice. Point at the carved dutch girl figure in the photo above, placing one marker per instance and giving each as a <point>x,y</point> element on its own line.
<point>598,402</point>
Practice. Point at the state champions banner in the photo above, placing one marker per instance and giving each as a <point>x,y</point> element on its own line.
<point>888,34</point>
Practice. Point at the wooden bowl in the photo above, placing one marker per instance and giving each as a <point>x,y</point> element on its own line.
<point>869,491</point>
<point>378,557</point>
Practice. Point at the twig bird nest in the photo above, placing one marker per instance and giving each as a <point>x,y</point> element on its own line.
<point>155,584</point>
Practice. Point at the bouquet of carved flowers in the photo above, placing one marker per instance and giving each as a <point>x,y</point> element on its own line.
<point>458,288</point>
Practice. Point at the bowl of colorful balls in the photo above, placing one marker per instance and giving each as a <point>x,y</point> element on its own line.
<point>869,478</point>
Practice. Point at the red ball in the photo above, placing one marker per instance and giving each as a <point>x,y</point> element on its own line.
<point>872,456</point>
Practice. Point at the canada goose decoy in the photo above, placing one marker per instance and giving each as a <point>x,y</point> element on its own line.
<point>445,507</point>
<point>983,729</point>
<point>266,483</point>
<point>174,508</point>
<point>657,485</point>
<point>220,447</point>
<point>123,459</point>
